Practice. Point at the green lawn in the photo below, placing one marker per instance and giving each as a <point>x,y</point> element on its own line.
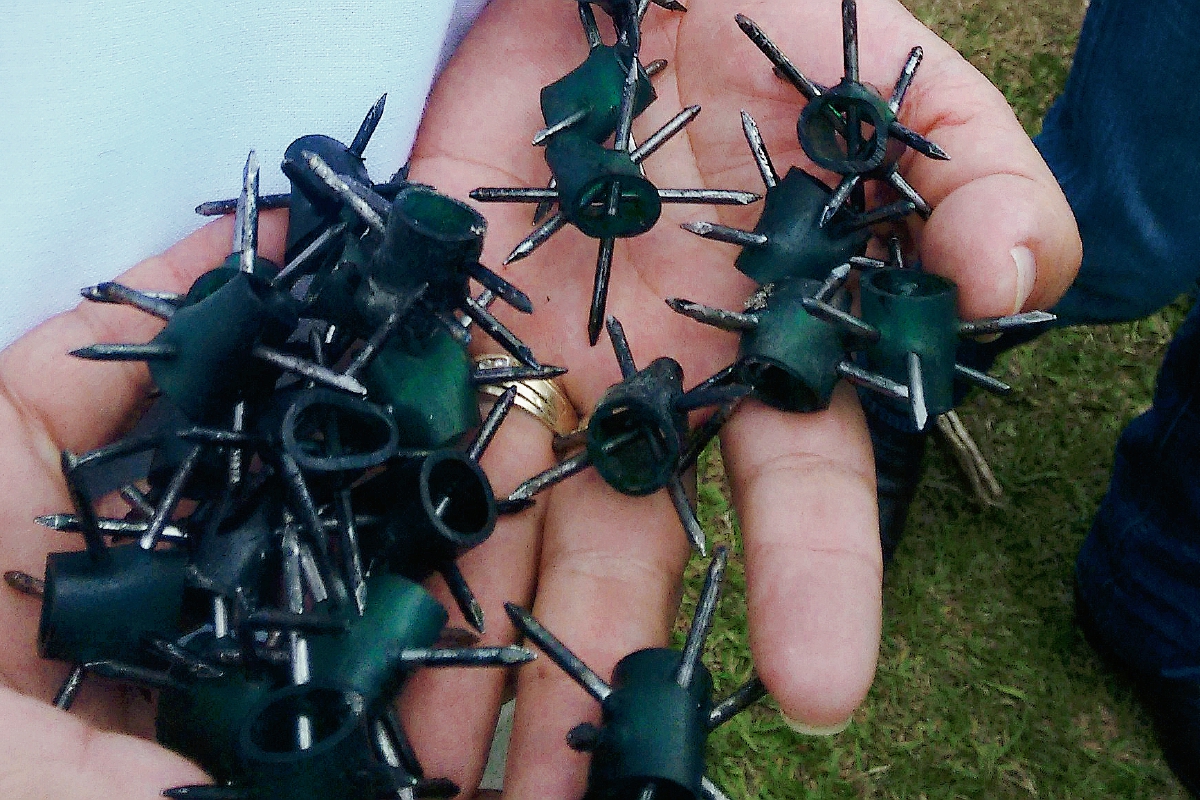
<point>985,688</point>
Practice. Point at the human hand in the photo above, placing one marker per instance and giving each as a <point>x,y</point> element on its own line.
<point>51,402</point>
<point>599,569</point>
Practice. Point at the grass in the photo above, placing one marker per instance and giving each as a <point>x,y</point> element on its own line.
<point>984,688</point>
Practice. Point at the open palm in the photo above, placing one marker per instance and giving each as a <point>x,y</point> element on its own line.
<point>600,569</point>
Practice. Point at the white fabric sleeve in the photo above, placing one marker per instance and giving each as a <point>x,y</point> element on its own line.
<point>119,117</point>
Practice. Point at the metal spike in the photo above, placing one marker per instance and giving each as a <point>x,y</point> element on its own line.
<point>642,8</point>
<point>746,695</point>
<point>25,583</point>
<point>69,689</point>
<point>537,237</point>
<point>179,657</point>
<point>841,319</point>
<point>508,506</point>
<point>312,574</point>
<point>506,194</point>
<point>724,233</point>
<point>454,327</point>
<point>626,109</point>
<point>342,188</point>
<point>498,331</point>
<point>864,263</point>
<point>388,726</point>
<point>206,792</point>
<point>137,501</point>
<point>214,436</point>
<point>220,208</point>
<point>718,197</point>
<point>663,134</point>
<point>758,149</point>
<point>302,500</point>
<point>687,515</point>
<point>620,346</point>
<point>838,199</point>
<point>71,523</point>
<point>716,317</point>
<point>591,30</point>
<point>350,551</point>
<point>647,793</point>
<point>702,435</point>
<point>274,619</point>
<point>604,258</point>
<point>889,213</point>
<point>917,142</point>
<point>895,254</point>
<point>558,652</point>
<point>510,656</point>
<point>906,76</point>
<point>491,376</point>
<point>92,537</point>
<point>671,5</point>
<point>245,236</point>
<point>378,338</point>
<point>367,129</point>
<point>788,70</point>
<point>464,598</point>
<point>110,292</point>
<point>982,380</point>
<point>151,351</point>
<point>871,380</point>
<point>654,67</point>
<point>556,474</point>
<point>993,325</point>
<point>569,121</point>
<point>702,397</point>
<point>299,261</point>
<point>711,791</point>
<point>499,287</point>
<point>491,423</point>
<point>293,590</point>
<point>916,392</point>
<point>170,499</point>
<point>308,369</point>
<point>850,39</point>
<point>702,620</point>
<point>902,186</point>
<point>833,283</point>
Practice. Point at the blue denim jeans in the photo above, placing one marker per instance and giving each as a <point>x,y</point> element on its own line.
<point>1121,143</point>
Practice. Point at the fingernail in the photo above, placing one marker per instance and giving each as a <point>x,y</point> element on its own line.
<point>1026,274</point>
<point>815,730</point>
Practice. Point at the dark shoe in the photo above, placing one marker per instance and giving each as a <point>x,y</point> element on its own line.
<point>899,452</point>
<point>1173,704</point>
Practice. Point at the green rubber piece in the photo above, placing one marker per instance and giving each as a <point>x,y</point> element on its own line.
<point>585,173</point>
<point>915,312</point>
<point>214,279</point>
<point>313,205</point>
<point>430,238</point>
<point>203,722</point>
<point>331,295</point>
<point>791,358</point>
<point>596,86</point>
<point>104,608</point>
<point>213,339</point>
<point>400,614</point>
<point>427,384</point>
<point>635,435</point>
<point>416,540</point>
<point>819,137</point>
<point>652,730</point>
<point>797,247</point>
<point>338,766</point>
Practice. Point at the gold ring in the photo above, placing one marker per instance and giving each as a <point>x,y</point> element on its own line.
<point>543,399</point>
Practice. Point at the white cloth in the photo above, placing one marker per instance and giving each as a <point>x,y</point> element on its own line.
<point>117,118</point>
